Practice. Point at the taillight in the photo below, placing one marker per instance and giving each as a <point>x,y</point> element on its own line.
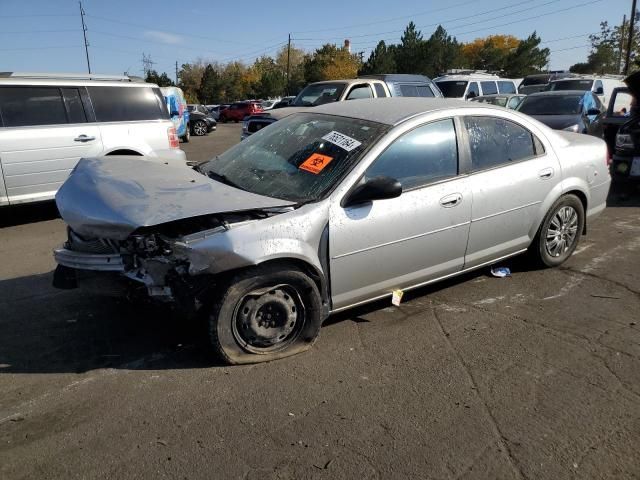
<point>174,141</point>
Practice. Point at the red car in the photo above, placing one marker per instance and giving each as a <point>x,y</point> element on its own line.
<point>237,111</point>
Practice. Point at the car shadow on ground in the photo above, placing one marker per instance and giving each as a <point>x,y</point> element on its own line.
<point>14,215</point>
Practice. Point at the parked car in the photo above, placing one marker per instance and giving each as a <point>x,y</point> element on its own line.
<point>468,86</point>
<point>178,111</point>
<point>367,86</point>
<point>618,113</point>
<point>539,82</point>
<point>508,101</point>
<point>626,153</point>
<point>49,121</point>
<point>573,111</point>
<point>330,208</point>
<point>237,111</point>
<point>601,86</point>
<point>214,111</point>
<point>202,121</point>
<point>268,104</point>
<point>284,102</point>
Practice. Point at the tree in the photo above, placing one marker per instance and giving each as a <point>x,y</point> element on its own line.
<point>527,58</point>
<point>381,60</point>
<point>296,58</point>
<point>410,53</point>
<point>160,80</point>
<point>190,80</point>
<point>210,90</point>
<point>489,53</point>
<point>441,53</point>
<point>329,63</point>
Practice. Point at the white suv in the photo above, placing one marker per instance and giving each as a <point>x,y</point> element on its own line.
<point>49,122</point>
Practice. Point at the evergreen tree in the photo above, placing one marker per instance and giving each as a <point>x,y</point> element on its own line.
<point>381,60</point>
<point>410,53</point>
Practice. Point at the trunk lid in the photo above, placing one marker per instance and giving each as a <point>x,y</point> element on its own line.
<point>111,197</point>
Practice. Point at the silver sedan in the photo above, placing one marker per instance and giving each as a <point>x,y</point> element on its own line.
<point>330,208</point>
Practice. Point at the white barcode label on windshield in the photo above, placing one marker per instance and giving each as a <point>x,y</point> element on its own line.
<point>342,141</point>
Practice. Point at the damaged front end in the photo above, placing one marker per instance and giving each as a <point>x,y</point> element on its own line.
<point>158,262</point>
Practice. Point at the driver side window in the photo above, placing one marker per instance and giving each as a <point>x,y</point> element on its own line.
<point>424,155</point>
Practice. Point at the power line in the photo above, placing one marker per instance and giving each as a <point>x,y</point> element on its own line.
<point>15,32</point>
<point>84,33</point>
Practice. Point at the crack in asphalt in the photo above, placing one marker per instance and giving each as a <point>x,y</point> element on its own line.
<point>598,277</point>
<point>502,439</point>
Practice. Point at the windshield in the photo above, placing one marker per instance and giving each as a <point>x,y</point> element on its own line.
<point>452,89</point>
<point>318,93</point>
<point>298,158</point>
<point>536,80</point>
<point>571,85</point>
<point>551,105</point>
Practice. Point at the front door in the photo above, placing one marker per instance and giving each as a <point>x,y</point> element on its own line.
<point>382,245</point>
<point>44,135</point>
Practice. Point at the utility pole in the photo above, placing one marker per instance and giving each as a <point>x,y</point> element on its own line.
<point>84,33</point>
<point>621,46</point>
<point>288,62</point>
<point>632,21</point>
<point>147,64</point>
<point>176,72</point>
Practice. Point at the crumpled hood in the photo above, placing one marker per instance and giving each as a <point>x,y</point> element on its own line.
<point>110,197</point>
<point>558,122</point>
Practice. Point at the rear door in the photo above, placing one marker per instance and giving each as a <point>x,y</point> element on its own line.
<point>46,131</point>
<point>511,175</point>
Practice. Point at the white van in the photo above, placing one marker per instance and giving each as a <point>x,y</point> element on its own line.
<point>467,86</point>
<point>48,122</point>
<point>602,86</point>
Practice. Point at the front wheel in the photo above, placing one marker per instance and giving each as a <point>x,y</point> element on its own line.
<point>200,128</point>
<point>560,232</point>
<point>265,314</point>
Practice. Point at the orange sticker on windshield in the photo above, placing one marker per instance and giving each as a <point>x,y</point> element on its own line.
<point>315,163</point>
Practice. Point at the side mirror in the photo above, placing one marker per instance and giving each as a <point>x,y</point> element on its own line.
<point>599,91</point>
<point>471,95</point>
<point>593,111</point>
<point>377,188</point>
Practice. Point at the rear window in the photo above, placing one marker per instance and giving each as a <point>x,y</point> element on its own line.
<point>506,87</point>
<point>452,89</point>
<point>537,80</point>
<point>571,85</point>
<point>488,88</point>
<point>29,106</point>
<point>125,104</point>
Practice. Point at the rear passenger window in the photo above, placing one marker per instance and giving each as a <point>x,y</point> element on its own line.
<point>122,104</point>
<point>488,88</point>
<point>506,87</point>
<point>474,91</point>
<point>495,141</point>
<point>29,106</point>
<point>360,91</point>
<point>73,103</point>
<point>421,156</point>
<point>380,92</point>
<point>408,90</point>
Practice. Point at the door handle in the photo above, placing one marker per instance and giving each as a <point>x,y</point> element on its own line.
<point>546,173</point>
<point>84,138</point>
<point>451,200</point>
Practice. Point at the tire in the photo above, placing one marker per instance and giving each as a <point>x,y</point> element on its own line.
<point>559,232</point>
<point>187,134</point>
<point>237,329</point>
<point>200,128</point>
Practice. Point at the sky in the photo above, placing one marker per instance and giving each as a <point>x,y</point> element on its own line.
<point>46,35</point>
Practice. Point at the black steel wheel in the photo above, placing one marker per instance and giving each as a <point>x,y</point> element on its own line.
<point>265,313</point>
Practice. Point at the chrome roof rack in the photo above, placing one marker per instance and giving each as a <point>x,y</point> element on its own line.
<point>71,76</point>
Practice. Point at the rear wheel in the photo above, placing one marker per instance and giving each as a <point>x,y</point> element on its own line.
<point>265,314</point>
<point>560,232</point>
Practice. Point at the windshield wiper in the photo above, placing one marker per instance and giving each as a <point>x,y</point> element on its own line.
<point>223,179</point>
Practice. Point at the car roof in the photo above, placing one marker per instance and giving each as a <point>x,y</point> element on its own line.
<point>558,93</point>
<point>393,110</point>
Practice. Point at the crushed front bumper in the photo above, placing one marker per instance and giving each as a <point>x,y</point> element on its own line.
<point>99,262</point>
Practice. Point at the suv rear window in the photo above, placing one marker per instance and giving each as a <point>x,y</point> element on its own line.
<point>506,87</point>
<point>489,88</point>
<point>125,104</point>
<point>28,106</point>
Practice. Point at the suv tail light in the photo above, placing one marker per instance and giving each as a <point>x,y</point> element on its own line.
<point>174,141</point>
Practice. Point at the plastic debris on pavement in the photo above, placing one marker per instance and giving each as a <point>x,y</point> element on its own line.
<point>500,272</point>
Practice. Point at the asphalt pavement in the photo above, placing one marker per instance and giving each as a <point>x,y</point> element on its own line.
<point>534,376</point>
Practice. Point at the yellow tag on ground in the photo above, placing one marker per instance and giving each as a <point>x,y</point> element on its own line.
<point>397,297</point>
